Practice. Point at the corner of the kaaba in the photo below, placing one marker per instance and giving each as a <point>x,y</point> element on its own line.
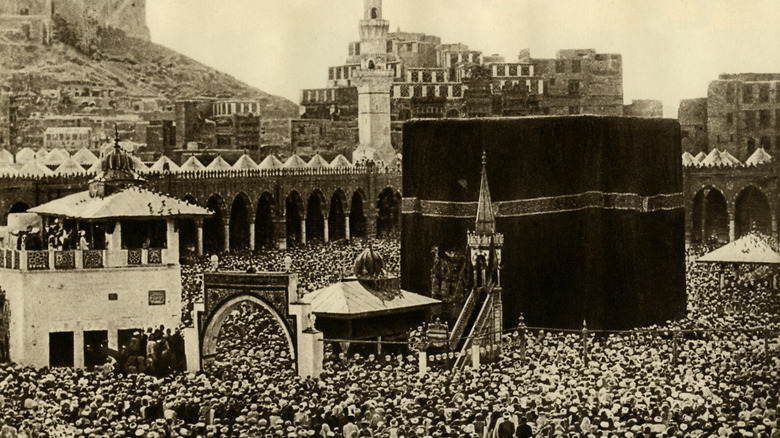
<point>591,209</point>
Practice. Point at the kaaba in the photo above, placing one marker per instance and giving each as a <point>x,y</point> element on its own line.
<point>591,209</point>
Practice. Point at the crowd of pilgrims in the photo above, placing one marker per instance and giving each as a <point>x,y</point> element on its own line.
<point>721,383</point>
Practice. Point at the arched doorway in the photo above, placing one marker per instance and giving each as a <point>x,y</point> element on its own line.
<point>710,218</point>
<point>293,215</point>
<point>357,218</point>
<point>239,222</point>
<point>233,315</point>
<point>213,226</point>
<point>264,221</point>
<point>388,213</point>
<point>752,212</point>
<point>188,230</point>
<point>315,221</point>
<point>336,217</point>
<point>18,207</point>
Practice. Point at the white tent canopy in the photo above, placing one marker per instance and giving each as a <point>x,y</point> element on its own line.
<point>218,163</point>
<point>35,168</point>
<point>69,167</point>
<point>687,159</point>
<point>317,162</point>
<point>192,165</point>
<point>85,157</point>
<point>270,162</point>
<point>25,155</point>
<point>340,161</point>
<point>245,162</point>
<point>760,156</point>
<point>747,249</point>
<point>160,165</point>
<point>294,162</point>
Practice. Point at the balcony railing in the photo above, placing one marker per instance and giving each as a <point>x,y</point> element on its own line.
<point>54,260</point>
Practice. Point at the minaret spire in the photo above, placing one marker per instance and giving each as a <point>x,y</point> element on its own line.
<point>486,219</point>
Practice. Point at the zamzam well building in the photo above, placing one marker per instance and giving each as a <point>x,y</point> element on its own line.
<point>429,79</point>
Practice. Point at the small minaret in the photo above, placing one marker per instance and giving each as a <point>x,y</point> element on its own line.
<point>485,252</point>
<point>373,80</point>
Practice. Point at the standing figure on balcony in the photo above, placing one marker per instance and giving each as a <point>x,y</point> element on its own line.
<point>83,245</point>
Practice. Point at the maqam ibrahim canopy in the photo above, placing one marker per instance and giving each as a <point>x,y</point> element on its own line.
<point>747,249</point>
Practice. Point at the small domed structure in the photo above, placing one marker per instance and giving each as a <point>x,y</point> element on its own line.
<point>370,265</point>
<point>118,169</point>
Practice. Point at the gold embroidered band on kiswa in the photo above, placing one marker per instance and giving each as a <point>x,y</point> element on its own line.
<point>547,205</point>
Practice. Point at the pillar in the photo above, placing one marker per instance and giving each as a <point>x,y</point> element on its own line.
<point>227,236</point>
<point>732,228</point>
<point>325,230</point>
<point>303,231</point>
<point>280,233</point>
<point>346,225</point>
<point>774,224</point>
<point>378,346</point>
<point>422,357</point>
<point>722,279</point>
<point>113,339</point>
<point>78,348</point>
<point>199,224</point>
<point>475,356</point>
<point>252,235</point>
<point>192,340</point>
<point>704,235</point>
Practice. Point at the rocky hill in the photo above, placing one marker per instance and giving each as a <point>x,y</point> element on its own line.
<point>131,66</point>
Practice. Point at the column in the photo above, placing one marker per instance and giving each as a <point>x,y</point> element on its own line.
<point>475,355</point>
<point>325,230</point>
<point>113,339</point>
<point>199,224</point>
<point>280,233</point>
<point>303,231</point>
<point>346,225</point>
<point>422,357</point>
<point>252,235</point>
<point>732,228</point>
<point>704,235</point>
<point>78,348</point>
<point>227,236</point>
<point>774,224</point>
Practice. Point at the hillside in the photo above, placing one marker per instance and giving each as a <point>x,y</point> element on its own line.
<point>133,67</point>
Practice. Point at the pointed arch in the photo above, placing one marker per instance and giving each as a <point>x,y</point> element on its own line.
<point>710,218</point>
<point>214,226</point>
<point>357,215</point>
<point>315,219</point>
<point>336,216</point>
<point>188,229</point>
<point>264,220</point>
<point>752,212</point>
<point>294,213</point>
<point>240,220</point>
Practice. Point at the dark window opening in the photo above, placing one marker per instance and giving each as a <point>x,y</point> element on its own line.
<point>374,14</point>
<point>576,66</point>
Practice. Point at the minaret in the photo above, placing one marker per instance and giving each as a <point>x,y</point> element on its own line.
<point>485,251</point>
<point>373,80</point>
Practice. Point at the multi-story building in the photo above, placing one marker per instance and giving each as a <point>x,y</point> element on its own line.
<point>70,139</point>
<point>161,137</point>
<point>434,80</point>
<point>743,113</point>
<point>238,131</point>
<point>692,116</point>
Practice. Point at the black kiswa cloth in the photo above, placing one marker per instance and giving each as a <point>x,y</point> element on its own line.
<point>590,208</point>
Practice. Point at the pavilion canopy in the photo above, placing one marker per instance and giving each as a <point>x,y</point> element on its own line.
<point>245,162</point>
<point>760,156</point>
<point>192,165</point>
<point>687,159</point>
<point>160,165</point>
<point>35,168</point>
<point>6,157</point>
<point>218,163</point>
<point>133,202</point>
<point>270,162</point>
<point>294,162</point>
<point>747,249</point>
<point>317,162</point>
<point>25,155</point>
<point>350,298</point>
<point>340,161</point>
<point>69,167</point>
<point>85,157</point>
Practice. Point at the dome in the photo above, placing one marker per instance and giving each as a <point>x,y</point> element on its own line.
<point>369,264</point>
<point>118,160</point>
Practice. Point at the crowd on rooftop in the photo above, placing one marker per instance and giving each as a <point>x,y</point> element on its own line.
<point>721,381</point>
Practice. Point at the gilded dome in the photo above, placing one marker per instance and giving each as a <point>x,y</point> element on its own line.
<point>369,264</point>
<point>118,160</point>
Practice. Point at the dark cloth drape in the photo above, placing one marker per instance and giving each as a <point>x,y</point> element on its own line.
<point>615,268</point>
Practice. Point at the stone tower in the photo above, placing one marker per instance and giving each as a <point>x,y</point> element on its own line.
<point>373,81</point>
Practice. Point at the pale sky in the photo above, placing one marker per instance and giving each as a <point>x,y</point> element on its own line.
<point>671,49</point>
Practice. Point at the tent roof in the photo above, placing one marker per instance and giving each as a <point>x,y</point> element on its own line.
<point>726,155</point>
<point>747,249</point>
<point>132,202</point>
<point>700,156</point>
<point>340,161</point>
<point>716,158</point>
<point>218,163</point>
<point>25,155</point>
<point>96,167</point>
<point>35,168</point>
<point>140,167</point>
<point>270,162</point>
<point>69,167</point>
<point>192,165</point>
<point>85,157</point>
<point>42,153</point>
<point>294,162</point>
<point>159,165</point>
<point>56,157</point>
<point>245,162</point>
<point>687,159</point>
<point>317,162</point>
<point>349,298</point>
<point>760,156</point>
<point>8,169</point>
<point>6,156</point>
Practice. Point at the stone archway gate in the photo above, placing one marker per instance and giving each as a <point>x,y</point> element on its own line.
<point>276,292</point>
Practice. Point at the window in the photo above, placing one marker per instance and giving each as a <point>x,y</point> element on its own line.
<point>750,120</point>
<point>765,142</point>
<point>559,67</point>
<point>430,91</point>
<point>576,66</point>
<point>439,76</point>
<point>357,49</point>
<point>404,90</point>
<point>552,82</point>
<point>427,76</point>
<point>371,65</point>
<point>747,93</point>
<point>374,14</point>
<point>390,46</point>
<point>763,118</point>
<point>763,93</point>
<point>456,90</point>
<point>574,87</point>
<point>730,119</point>
<point>751,145</point>
<point>415,76</point>
<point>730,92</point>
<point>501,70</point>
<point>525,70</point>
